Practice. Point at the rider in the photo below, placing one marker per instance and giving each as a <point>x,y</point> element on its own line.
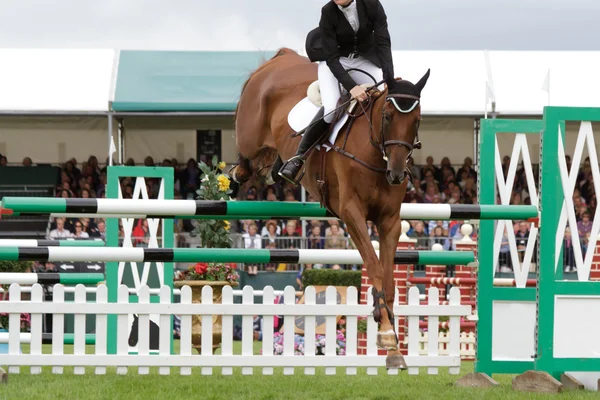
<point>351,34</point>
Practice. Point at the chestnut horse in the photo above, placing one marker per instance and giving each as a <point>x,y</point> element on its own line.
<point>370,186</point>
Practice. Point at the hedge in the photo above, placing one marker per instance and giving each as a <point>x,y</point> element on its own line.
<point>330,277</point>
<point>15,266</point>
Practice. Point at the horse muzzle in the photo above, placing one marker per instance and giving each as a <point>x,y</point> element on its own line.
<point>395,179</point>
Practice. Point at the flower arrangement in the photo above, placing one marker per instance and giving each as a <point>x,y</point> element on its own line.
<point>14,266</point>
<point>208,272</point>
<point>214,186</point>
<point>25,321</point>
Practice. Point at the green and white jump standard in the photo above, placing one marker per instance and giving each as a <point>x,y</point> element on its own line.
<point>204,209</point>
<point>294,256</point>
<point>50,278</point>
<point>505,328</point>
<point>568,318</point>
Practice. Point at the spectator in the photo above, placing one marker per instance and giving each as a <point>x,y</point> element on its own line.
<point>584,227</point>
<point>290,238</point>
<point>568,252</point>
<point>335,240</point>
<point>315,240</point>
<point>252,241</point>
<point>421,236</point>
<point>429,167</point>
<point>99,231</point>
<point>271,235</point>
<point>60,232</point>
<point>438,236</point>
<point>522,237</point>
<point>79,233</point>
<point>190,178</point>
<point>141,233</point>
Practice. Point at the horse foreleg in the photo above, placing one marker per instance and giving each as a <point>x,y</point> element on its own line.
<point>356,221</point>
<point>241,172</point>
<point>389,233</point>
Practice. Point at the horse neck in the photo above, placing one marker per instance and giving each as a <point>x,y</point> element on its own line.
<point>373,154</point>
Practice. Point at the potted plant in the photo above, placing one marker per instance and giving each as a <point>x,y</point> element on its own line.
<point>213,234</point>
<point>215,275</point>
<point>214,186</point>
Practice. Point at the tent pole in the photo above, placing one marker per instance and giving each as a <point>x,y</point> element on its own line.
<point>110,141</point>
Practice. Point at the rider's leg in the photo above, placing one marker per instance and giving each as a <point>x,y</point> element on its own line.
<point>328,85</point>
<point>367,66</point>
<point>315,130</point>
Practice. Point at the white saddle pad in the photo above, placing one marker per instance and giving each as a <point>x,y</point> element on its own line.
<point>303,113</point>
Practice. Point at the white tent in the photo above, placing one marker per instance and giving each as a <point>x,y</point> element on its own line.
<point>55,80</point>
<point>52,89</point>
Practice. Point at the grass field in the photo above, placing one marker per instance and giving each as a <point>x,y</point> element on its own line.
<point>153,386</point>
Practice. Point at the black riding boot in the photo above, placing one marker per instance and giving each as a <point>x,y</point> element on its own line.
<point>316,129</point>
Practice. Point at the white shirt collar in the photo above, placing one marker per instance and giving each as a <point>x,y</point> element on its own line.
<point>350,7</point>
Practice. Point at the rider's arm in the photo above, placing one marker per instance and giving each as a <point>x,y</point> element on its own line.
<point>383,43</point>
<point>330,46</point>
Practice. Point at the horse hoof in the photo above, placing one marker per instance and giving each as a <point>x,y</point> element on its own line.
<point>387,341</point>
<point>239,175</point>
<point>395,360</point>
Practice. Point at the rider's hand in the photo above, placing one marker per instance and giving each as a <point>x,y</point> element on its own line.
<point>359,93</point>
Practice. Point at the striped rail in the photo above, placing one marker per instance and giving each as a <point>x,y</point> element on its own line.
<point>464,281</point>
<point>50,243</point>
<point>446,324</point>
<point>261,256</point>
<point>50,278</point>
<point>202,209</point>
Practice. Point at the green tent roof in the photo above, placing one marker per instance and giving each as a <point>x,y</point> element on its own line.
<point>183,80</point>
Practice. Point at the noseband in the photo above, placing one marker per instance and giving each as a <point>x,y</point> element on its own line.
<point>387,119</point>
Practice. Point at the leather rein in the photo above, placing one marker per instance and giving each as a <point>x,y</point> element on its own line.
<point>386,119</point>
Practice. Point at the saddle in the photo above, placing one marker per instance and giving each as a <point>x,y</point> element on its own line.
<point>314,95</point>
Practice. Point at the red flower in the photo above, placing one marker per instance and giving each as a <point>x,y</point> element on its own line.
<point>201,268</point>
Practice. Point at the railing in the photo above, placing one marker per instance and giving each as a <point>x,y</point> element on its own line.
<point>310,317</point>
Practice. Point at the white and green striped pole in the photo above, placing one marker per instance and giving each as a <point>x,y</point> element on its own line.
<point>202,209</point>
<point>50,243</point>
<point>191,255</point>
<point>49,278</point>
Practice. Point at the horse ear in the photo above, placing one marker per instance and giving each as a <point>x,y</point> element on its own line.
<point>421,84</point>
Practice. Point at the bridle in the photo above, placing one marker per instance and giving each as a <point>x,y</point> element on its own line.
<point>386,119</point>
<point>382,144</point>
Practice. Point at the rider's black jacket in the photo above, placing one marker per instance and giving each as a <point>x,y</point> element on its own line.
<point>335,38</point>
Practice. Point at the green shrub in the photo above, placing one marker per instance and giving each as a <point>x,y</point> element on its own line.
<point>330,277</point>
<point>15,266</point>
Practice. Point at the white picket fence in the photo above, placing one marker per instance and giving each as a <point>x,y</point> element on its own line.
<point>185,360</point>
<point>468,342</point>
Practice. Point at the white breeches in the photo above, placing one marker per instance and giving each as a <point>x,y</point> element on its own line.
<point>330,87</point>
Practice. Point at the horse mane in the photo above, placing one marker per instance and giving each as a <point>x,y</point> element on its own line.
<point>280,52</point>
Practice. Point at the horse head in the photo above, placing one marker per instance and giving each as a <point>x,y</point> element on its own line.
<point>400,127</point>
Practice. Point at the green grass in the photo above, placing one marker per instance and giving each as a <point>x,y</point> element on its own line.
<point>153,386</point>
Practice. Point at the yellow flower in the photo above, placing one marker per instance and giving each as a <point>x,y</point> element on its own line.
<point>223,183</point>
<point>221,165</point>
<point>227,225</point>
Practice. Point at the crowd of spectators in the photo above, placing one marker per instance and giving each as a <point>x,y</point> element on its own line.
<point>432,183</point>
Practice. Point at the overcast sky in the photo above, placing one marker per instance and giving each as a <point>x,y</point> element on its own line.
<point>269,24</point>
